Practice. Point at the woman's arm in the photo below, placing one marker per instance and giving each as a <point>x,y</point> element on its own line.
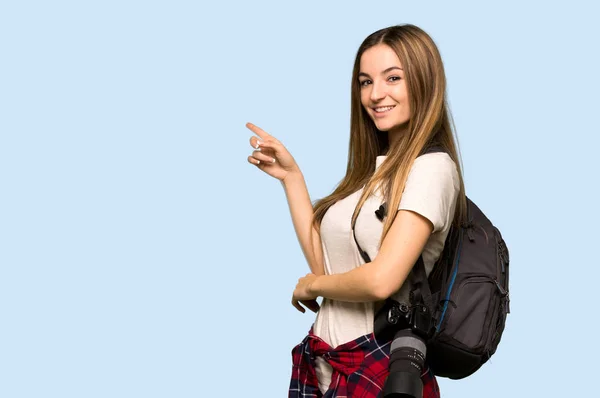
<point>301,211</point>
<point>429,195</point>
<point>272,157</point>
<point>378,279</point>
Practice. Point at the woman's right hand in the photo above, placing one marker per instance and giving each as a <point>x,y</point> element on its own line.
<point>270,155</point>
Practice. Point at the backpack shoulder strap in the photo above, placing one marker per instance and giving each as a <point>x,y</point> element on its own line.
<point>363,253</point>
<point>433,149</point>
<point>418,275</point>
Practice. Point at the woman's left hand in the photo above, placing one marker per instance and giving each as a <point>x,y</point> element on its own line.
<point>303,294</point>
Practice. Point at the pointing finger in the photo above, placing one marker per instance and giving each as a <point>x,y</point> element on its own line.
<point>258,131</point>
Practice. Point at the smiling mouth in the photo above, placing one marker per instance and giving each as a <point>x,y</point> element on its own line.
<point>383,109</point>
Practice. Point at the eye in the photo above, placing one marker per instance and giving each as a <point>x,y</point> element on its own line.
<point>364,83</point>
<point>394,78</point>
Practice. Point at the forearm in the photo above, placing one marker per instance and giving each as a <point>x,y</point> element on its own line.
<point>358,285</point>
<point>301,211</point>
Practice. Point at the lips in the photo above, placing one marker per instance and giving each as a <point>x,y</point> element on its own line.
<point>382,111</point>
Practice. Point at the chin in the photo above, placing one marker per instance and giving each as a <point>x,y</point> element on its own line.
<point>386,126</point>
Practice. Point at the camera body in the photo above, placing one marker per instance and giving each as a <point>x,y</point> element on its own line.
<point>395,316</point>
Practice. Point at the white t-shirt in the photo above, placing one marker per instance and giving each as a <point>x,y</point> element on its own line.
<point>431,190</point>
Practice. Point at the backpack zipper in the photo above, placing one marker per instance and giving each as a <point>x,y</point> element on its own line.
<point>502,291</point>
<point>449,289</point>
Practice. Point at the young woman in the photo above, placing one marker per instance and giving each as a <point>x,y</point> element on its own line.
<point>398,109</point>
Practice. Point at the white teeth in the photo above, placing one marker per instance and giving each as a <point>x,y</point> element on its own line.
<point>383,109</point>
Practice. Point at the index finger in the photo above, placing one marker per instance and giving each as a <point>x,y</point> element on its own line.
<point>258,131</point>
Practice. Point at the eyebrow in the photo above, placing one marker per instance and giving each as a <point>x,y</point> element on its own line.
<point>384,72</point>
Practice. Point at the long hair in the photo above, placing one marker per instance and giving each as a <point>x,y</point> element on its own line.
<point>429,124</point>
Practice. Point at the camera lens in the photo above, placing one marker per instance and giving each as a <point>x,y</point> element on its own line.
<point>407,360</point>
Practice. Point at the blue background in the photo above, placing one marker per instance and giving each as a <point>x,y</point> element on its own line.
<point>142,256</point>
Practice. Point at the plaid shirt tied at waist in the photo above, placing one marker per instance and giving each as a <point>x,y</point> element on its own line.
<point>360,368</point>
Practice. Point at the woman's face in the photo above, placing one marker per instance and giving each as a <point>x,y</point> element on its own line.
<point>383,91</point>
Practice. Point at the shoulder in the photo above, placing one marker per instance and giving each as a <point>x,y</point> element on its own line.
<point>438,165</point>
<point>432,188</point>
<point>437,159</point>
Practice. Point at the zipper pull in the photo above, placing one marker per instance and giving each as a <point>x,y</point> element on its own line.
<point>470,234</point>
<point>504,295</point>
<point>504,252</point>
<point>468,226</point>
<point>502,291</point>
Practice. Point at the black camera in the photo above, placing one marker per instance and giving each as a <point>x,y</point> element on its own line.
<point>408,327</point>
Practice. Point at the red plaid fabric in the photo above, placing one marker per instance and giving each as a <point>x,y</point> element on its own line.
<point>360,368</point>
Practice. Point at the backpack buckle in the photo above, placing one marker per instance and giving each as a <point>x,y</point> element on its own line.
<point>381,212</point>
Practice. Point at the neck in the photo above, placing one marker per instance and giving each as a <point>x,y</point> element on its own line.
<point>396,133</point>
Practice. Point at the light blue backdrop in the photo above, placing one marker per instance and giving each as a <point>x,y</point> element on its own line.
<point>142,256</point>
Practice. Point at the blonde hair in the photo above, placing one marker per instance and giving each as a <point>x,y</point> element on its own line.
<point>429,124</point>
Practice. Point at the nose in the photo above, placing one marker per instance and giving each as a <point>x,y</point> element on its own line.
<point>377,91</point>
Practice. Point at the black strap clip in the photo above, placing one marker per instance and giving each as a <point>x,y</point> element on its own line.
<point>381,212</point>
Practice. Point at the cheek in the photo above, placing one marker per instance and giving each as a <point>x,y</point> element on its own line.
<point>402,98</point>
<point>401,95</point>
<point>364,101</point>
<point>404,111</point>
<point>363,98</point>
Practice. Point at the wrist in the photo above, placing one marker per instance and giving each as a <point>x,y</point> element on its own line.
<point>292,177</point>
<point>314,287</point>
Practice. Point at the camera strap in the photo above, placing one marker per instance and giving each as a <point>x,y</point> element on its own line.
<point>421,292</point>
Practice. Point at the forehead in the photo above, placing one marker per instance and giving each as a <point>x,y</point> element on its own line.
<point>378,58</point>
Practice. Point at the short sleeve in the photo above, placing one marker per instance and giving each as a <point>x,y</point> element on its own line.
<point>432,188</point>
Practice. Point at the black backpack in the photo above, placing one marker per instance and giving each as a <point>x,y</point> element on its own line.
<point>466,294</point>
